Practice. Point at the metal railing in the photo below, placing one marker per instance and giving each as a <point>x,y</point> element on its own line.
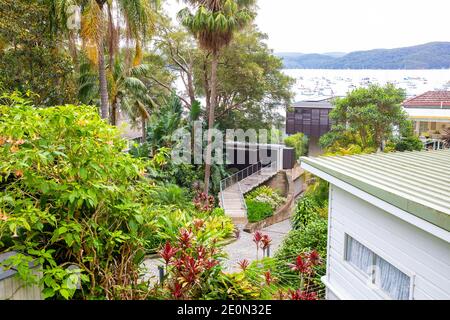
<point>434,144</point>
<point>243,174</point>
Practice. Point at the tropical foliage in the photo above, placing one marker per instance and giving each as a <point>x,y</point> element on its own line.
<point>30,57</point>
<point>72,198</point>
<point>262,203</point>
<point>366,117</point>
<point>299,142</point>
<point>213,24</point>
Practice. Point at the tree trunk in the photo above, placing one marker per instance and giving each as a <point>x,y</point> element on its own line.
<point>104,99</point>
<point>144,129</point>
<point>212,106</point>
<point>112,37</point>
<point>190,82</point>
<point>114,109</point>
<point>207,84</point>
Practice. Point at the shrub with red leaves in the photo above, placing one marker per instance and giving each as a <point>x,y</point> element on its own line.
<point>302,295</point>
<point>244,264</point>
<point>257,237</point>
<point>304,265</point>
<point>168,252</point>
<point>204,202</point>
<point>268,277</point>
<point>188,265</point>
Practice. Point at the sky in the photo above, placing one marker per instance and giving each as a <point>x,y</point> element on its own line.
<point>319,26</point>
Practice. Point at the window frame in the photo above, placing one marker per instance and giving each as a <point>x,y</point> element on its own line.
<point>372,277</point>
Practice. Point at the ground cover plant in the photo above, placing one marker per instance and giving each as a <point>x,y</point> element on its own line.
<point>262,203</point>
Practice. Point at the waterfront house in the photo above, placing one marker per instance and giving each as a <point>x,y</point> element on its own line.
<point>312,119</point>
<point>430,112</point>
<point>389,225</point>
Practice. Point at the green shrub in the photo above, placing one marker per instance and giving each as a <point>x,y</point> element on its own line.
<point>411,143</point>
<point>305,212</point>
<point>218,212</point>
<point>69,195</point>
<point>312,237</point>
<point>257,211</point>
<point>299,142</point>
<point>207,227</point>
<point>266,195</point>
<point>171,194</point>
<point>232,287</point>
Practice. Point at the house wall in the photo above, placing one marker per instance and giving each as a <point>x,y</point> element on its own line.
<point>410,249</point>
<point>430,127</point>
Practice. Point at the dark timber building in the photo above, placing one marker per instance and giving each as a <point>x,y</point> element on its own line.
<point>310,118</point>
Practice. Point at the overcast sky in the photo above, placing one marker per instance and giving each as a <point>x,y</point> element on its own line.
<point>347,25</point>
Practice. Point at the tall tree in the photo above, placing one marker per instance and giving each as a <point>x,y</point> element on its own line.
<point>213,24</point>
<point>101,31</point>
<point>371,112</point>
<point>31,58</point>
<point>128,91</point>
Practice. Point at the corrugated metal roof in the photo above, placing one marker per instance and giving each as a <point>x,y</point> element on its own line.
<point>417,182</point>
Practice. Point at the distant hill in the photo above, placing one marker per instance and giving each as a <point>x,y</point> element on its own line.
<point>434,55</point>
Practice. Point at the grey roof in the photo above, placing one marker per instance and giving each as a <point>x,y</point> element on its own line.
<point>323,104</point>
<point>417,182</point>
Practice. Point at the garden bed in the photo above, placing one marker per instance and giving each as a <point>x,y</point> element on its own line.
<point>282,213</point>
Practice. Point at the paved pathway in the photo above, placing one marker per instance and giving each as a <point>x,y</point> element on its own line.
<point>244,247</point>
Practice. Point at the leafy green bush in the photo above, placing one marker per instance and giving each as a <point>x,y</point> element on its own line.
<point>305,212</point>
<point>207,227</point>
<point>234,286</point>
<point>299,142</point>
<point>71,196</point>
<point>266,195</point>
<point>411,143</point>
<point>257,211</point>
<point>312,237</point>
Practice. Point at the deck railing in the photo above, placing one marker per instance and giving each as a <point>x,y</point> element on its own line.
<point>243,174</point>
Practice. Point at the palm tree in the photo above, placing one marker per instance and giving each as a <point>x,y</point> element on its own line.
<point>213,24</point>
<point>99,28</point>
<point>127,91</point>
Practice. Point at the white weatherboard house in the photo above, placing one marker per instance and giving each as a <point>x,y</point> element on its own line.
<point>389,225</point>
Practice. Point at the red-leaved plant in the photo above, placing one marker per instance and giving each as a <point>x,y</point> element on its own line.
<point>244,264</point>
<point>257,237</point>
<point>188,265</point>
<point>262,241</point>
<point>304,265</point>
<point>204,202</point>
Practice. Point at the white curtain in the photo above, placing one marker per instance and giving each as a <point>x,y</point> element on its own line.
<point>391,280</point>
<point>360,256</point>
<point>388,278</point>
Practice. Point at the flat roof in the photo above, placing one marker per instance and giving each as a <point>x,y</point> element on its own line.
<point>323,104</point>
<point>416,182</point>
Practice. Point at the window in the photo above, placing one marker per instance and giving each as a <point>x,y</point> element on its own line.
<point>378,271</point>
<point>423,127</point>
<point>433,126</point>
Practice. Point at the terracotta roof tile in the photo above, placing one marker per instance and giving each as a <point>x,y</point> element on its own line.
<point>429,99</point>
